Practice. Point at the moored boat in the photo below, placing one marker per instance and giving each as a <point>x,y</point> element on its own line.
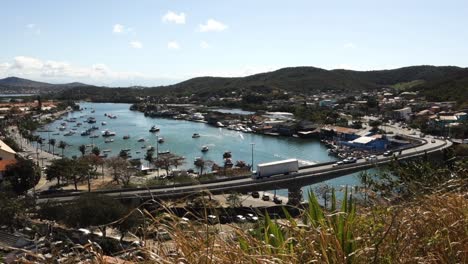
<point>108,133</point>
<point>195,135</point>
<point>204,149</point>
<point>154,129</point>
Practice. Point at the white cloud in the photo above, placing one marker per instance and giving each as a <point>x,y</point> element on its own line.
<point>204,45</point>
<point>22,62</point>
<point>172,17</point>
<point>349,45</point>
<point>173,45</point>
<point>212,25</point>
<point>136,44</point>
<point>118,28</point>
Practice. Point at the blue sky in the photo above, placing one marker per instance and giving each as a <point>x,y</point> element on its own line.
<point>153,42</point>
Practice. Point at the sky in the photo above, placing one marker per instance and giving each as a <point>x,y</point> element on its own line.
<point>159,42</point>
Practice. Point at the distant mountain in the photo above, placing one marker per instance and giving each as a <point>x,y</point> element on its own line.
<point>20,85</point>
<point>310,80</point>
<point>20,82</point>
<point>429,80</point>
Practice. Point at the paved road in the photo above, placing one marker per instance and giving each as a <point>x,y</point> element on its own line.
<point>303,177</point>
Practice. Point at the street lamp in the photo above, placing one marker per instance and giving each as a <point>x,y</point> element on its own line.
<point>252,164</point>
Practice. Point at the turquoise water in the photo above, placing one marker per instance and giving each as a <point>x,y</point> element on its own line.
<point>178,139</point>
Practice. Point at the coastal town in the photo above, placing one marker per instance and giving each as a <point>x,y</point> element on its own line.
<point>232,132</point>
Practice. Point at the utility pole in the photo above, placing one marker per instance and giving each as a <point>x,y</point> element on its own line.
<point>252,164</point>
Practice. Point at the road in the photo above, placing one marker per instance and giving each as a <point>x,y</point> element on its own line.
<point>305,176</point>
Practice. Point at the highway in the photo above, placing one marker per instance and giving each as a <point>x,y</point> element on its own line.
<point>305,176</point>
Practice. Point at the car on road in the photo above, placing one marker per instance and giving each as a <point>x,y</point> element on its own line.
<point>349,160</point>
<point>266,197</point>
<point>387,153</point>
<point>433,141</point>
<point>338,163</point>
<point>371,158</point>
<point>255,195</point>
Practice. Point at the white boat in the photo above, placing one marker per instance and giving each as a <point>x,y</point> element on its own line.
<point>109,140</point>
<point>141,140</point>
<point>160,140</point>
<point>219,124</point>
<point>195,135</point>
<point>103,123</point>
<point>106,150</point>
<point>154,129</point>
<point>204,149</point>
<point>62,128</point>
<point>108,133</point>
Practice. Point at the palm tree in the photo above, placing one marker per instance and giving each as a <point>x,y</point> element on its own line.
<point>149,156</point>
<point>62,145</point>
<point>82,149</point>
<point>40,142</point>
<point>52,142</point>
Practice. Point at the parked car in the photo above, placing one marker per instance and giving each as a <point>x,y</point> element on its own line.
<point>433,141</point>
<point>276,200</point>
<point>212,219</point>
<point>266,197</point>
<point>240,219</point>
<point>251,218</point>
<point>255,195</point>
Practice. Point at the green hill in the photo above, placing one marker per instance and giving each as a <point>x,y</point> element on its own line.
<point>310,80</point>
<point>452,87</point>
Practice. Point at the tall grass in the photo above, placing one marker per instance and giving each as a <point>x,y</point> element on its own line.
<point>432,229</point>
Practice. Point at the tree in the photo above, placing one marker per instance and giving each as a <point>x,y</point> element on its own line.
<point>130,222</point>
<point>234,200</point>
<point>123,154</point>
<point>62,145</point>
<point>11,209</point>
<point>82,149</point>
<point>81,168</point>
<point>23,175</point>
<point>94,210</point>
<point>202,164</point>
<point>59,169</point>
<point>167,161</point>
<point>40,142</point>
<point>324,191</point>
<point>52,142</point>
<point>96,151</point>
<point>149,156</point>
<point>118,167</point>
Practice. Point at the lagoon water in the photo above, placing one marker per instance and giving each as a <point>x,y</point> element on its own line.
<point>178,139</point>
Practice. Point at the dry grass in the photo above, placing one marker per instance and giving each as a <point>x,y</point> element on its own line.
<point>430,229</point>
